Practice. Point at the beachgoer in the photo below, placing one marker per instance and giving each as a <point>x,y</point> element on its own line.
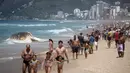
<point>51,45</point>
<point>96,41</point>
<point>70,43</point>
<point>120,49</point>
<point>116,38</point>
<point>86,37</point>
<point>91,43</point>
<point>34,64</point>
<point>75,46</point>
<point>48,62</point>
<point>27,55</point>
<point>51,49</point>
<point>109,38</point>
<point>81,40</point>
<point>86,45</point>
<point>123,39</point>
<point>61,51</point>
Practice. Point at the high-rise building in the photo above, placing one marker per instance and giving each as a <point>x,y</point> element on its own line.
<point>127,5</point>
<point>97,12</point>
<point>90,14</point>
<point>60,14</point>
<point>77,12</point>
<point>100,9</point>
<point>85,14</point>
<point>117,7</point>
<point>113,12</point>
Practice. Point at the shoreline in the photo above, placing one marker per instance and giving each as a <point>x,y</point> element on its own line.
<point>100,21</point>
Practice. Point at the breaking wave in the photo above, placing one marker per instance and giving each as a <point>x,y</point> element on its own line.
<point>5,59</point>
<point>58,31</point>
<point>28,25</point>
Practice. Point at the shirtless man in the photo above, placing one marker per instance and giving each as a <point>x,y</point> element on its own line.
<point>75,46</point>
<point>27,55</point>
<point>61,51</point>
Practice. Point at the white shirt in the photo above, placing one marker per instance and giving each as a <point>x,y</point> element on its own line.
<point>85,38</point>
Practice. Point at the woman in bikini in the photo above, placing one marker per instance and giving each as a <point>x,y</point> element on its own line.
<point>51,45</point>
<point>34,64</point>
<point>47,63</point>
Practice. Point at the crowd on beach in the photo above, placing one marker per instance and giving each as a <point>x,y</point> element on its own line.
<point>80,44</point>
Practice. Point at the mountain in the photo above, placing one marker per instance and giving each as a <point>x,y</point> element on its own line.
<point>42,8</point>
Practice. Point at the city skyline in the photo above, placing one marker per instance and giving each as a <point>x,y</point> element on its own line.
<point>42,14</point>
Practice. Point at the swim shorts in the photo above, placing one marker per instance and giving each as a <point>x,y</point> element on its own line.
<point>75,49</point>
<point>58,57</point>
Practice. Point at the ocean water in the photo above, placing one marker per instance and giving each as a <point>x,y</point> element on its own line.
<point>40,29</point>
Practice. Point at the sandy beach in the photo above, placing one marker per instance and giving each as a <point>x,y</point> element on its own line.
<point>102,61</point>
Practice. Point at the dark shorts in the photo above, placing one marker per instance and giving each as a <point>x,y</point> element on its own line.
<point>116,41</point>
<point>75,49</point>
<point>26,62</point>
<point>109,38</point>
<point>82,44</point>
<point>58,57</point>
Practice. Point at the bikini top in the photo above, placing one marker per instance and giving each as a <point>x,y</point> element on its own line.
<point>33,62</point>
<point>48,60</point>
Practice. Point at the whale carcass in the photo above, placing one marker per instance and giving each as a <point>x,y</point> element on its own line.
<point>25,37</point>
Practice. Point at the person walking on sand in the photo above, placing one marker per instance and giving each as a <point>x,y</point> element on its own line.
<point>50,45</point>
<point>86,45</point>
<point>81,40</point>
<point>27,55</point>
<point>61,51</point>
<point>109,38</point>
<point>120,49</point>
<point>75,47</point>
<point>123,39</point>
<point>34,64</point>
<point>96,41</point>
<point>91,43</point>
<point>48,62</point>
<point>86,37</point>
<point>51,49</point>
<point>116,35</point>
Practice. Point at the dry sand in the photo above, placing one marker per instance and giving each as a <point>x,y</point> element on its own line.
<point>102,61</point>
